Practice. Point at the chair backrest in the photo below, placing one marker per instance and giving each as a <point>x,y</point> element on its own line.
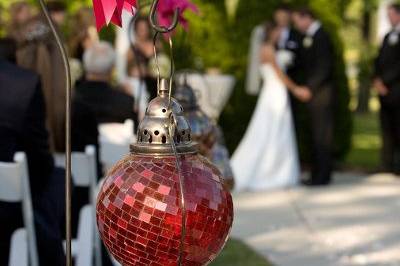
<point>83,166</point>
<point>19,249</point>
<point>15,187</point>
<point>114,142</point>
<point>86,236</point>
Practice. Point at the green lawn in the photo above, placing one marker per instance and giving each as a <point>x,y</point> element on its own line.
<point>364,154</point>
<point>236,253</point>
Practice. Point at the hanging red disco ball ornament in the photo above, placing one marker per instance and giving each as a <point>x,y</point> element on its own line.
<point>164,204</point>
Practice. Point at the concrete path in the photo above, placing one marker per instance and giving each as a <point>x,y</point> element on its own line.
<point>355,221</point>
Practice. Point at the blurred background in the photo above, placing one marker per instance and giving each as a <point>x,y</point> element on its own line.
<point>356,27</point>
<point>216,44</point>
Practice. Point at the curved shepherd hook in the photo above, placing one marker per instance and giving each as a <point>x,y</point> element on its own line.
<point>153,19</point>
<point>163,29</point>
<point>67,133</point>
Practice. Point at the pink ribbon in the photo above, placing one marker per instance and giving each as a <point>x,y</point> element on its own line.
<point>110,11</point>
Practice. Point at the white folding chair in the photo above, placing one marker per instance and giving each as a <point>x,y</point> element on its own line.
<point>84,242</point>
<point>14,180</point>
<point>115,139</point>
<point>84,167</point>
<point>19,249</point>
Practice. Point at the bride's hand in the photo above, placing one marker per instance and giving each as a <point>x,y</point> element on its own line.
<point>302,93</point>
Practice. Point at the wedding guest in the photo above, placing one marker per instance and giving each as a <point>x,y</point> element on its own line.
<point>84,33</point>
<point>58,11</point>
<point>316,60</point>
<point>22,128</point>
<point>20,13</point>
<point>289,40</point>
<point>140,55</point>
<point>387,84</point>
<point>108,103</point>
<point>37,51</point>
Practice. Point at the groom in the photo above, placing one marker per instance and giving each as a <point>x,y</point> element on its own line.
<point>316,60</point>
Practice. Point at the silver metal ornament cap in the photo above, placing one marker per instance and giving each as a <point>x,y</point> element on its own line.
<point>164,115</point>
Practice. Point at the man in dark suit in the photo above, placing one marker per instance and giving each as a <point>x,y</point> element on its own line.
<point>317,63</point>
<point>108,104</point>
<point>387,84</point>
<point>22,128</point>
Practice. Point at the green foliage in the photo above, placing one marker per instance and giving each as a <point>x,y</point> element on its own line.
<point>215,40</point>
<point>236,253</point>
<point>366,143</point>
<point>205,45</point>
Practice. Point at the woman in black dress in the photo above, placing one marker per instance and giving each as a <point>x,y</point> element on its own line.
<point>142,51</point>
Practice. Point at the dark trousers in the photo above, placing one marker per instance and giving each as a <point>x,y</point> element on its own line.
<point>48,205</point>
<point>321,122</point>
<point>390,125</point>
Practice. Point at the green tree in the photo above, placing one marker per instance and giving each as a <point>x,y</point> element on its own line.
<point>367,56</point>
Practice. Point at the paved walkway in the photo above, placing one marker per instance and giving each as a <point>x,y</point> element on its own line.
<point>356,221</point>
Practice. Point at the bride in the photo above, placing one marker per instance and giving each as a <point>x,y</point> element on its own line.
<point>267,158</point>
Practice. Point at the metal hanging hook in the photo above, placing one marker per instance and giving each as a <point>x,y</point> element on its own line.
<point>68,89</point>
<point>162,29</point>
<point>154,23</point>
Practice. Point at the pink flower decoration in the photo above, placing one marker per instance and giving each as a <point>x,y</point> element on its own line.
<point>110,11</point>
<point>166,9</point>
<point>107,11</point>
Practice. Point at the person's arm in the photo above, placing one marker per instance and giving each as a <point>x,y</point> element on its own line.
<point>268,56</point>
<point>391,75</point>
<point>378,83</point>
<point>302,93</point>
<point>35,140</point>
<point>323,62</point>
<point>377,68</point>
<point>289,83</point>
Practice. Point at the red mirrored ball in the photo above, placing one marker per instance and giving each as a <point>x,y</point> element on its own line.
<point>139,214</point>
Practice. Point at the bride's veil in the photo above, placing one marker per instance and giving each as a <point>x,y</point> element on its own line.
<point>253,78</point>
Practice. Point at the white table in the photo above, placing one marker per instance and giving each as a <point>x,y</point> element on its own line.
<point>212,90</point>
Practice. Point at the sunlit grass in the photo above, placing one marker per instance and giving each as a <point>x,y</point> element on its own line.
<point>366,141</point>
<point>236,253</point>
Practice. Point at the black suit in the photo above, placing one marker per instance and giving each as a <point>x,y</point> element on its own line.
<point>293,44</point>
<point>22,128</point>
<point>317,63</point>
<point>388,70</point>
<point>108,104</point>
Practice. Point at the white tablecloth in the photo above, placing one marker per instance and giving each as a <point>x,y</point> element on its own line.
<point>213,91</point>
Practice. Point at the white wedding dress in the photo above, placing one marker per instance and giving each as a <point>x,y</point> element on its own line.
<point>267,156</point>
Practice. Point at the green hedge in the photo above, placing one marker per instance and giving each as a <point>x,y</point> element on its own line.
<point>215,40</point>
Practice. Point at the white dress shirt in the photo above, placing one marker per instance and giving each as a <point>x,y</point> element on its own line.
<point>314,27</point>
